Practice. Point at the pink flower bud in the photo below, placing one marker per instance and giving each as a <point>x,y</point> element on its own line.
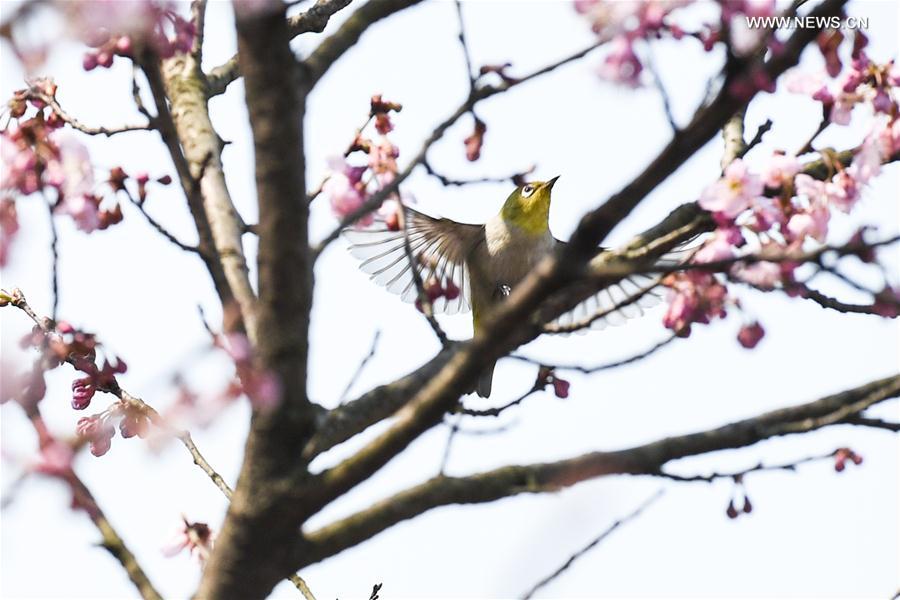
<point>82,392</point>
<point>123,45</point>
<point>104,59</point>
<point>89,62</point>
<point>750,335</point>
<point>560,387</point>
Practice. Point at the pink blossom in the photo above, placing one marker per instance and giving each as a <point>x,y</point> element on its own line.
<point>799,81</point>
<point>345,190</point>
<point>733,192</point>
<point>764,275</point>
<point>196,538</point>
<point>888,136</point>
<point>766,212</point>
<point>383,160</point>
<point>780,169</point>
<point>887,302</point>
<point>622,64</point>
<point>721,246</point>
<point>843,107</point>
<point>72,172</point>
<point>84,210</point>
<point>750,335</point>
<point>866,162</point>
<point>694,297</point>
<point>811,222</point>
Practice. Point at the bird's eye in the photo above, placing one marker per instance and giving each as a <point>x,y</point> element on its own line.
<point>527,190</point>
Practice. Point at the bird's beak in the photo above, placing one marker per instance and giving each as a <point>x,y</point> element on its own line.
<point>549,184</point>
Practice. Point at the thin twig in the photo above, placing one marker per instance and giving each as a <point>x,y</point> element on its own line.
<point>51,101</point>
<point>605,366</point>
<point>454,429</point>
<point>874,423</point>
<point>54,254</point>
<point>481,93</point>
<point>447,181</point>
<point>737,475</point>
<point>159,227</point>
<point>660,87</point>
<point>470,71</point>
<point>359,369</point>
<point>634,514</point>
<point>496,411</point>
<point>761,131</point>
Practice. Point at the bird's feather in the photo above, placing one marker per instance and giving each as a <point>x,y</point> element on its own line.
<point>440,248</point>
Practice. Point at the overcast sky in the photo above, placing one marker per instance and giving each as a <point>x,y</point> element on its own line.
<point>814,533</point>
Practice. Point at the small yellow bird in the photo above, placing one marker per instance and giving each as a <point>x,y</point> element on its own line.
<point>478,265</point>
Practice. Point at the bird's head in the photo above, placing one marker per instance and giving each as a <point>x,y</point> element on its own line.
<point>529,206</point>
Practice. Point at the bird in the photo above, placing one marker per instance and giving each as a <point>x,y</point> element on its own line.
<point>475,266</point>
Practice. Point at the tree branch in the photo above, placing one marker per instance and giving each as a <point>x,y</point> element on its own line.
<point>593,543</point>
<point>646,459</point>
<point>182,82</point>
<point>503,330</point>
<point>249,556</point>
<point>313,20</point>
<point>334,46</point>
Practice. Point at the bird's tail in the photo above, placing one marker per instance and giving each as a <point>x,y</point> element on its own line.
<point>485,380</point>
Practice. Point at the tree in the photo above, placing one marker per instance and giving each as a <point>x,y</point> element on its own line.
<point>761,225</point>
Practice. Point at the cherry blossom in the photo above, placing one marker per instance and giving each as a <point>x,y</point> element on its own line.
<point>344,188</point>
<point>196,538</point>
<point>694,297</point>
<point>734,192</point>
<point>780,169</point>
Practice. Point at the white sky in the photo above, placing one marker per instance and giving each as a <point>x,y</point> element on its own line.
<point>812,534</point>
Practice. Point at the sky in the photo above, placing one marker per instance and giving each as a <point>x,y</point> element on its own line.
<point>813,533</point>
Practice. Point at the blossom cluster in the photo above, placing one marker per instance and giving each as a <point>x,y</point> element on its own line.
<point>39,157</point>
<point>864,82</point>
<point>348,186</point>
<point>65,343</point>
<point>777,209</point>
<point>123,28</point>
<point>626,22</point>
<point>99,429</point>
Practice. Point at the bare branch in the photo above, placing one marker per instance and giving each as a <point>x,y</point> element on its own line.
<point>181,81</point>
<point>359,369</point>
<point>169,133</point>
<point>739,475</point>
<point>479,94</point>
<point>562,569</point>
<point>605,366</point>
<point>51,101</point>
<point>312,20</point>
<point>647,459</point>
<point>159,226</point>
<point>334,46</point>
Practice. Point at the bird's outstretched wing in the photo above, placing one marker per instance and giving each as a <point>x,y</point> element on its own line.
<point>616,304</point>
<point>439,248</point>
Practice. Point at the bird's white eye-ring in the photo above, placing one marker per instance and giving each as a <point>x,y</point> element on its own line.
<point>527,190</point>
